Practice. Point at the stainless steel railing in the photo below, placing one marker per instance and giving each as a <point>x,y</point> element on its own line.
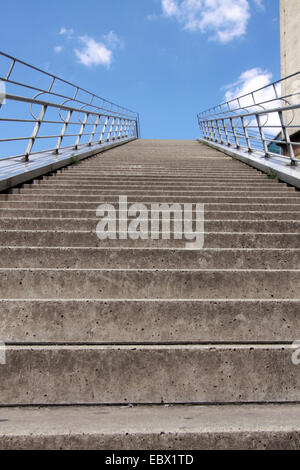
<point>266,121</point>
<point>44,113</point>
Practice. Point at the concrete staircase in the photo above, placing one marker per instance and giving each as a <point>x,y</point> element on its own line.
<point>149,344</point>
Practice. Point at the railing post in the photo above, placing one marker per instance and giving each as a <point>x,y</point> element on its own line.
<point>81,130</point>
<point>214,131</point>
<point>219,131</point>
<point>237,144</point>
<point>34,134</point>
<point>94,130</point>
<point>201,124</point>
<point>137,131</point>
<point>121,129</point>
<point>117,124</point>
<point>210,130</point>
<point>127,128</point>
<point>262,136</point>
<point>288,140</point>
<point>110,129</point>
<point>63,131</point>
<point>103,129</point>
<point>246,134</point>
<point>207,130</point>
<point>226,133</point>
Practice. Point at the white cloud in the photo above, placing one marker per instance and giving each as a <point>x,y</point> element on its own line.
<point>248,82</point>
<point>66,32</point>
<point>93,53</point>
<point>224,19</point>
<point>58,49</point>
<point>112,40</point>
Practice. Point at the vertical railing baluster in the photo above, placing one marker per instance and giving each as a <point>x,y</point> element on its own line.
<point>94,130</point>
<point>10,69</point>
<point>236,140</point>
<point>34,134</point>
<point>246,135</point>
<point>103,129</point>
<point>287,139</point>
<point>86,116</point>
<point>262,135</point>
<point>110,129</point>
<point>121,128</point>
<point>63,131</point>
<point>219,131</point>
<point>226,133</point>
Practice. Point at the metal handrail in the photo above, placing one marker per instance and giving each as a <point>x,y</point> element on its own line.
<point>227,104</point>
<point>258,125</point>
<point>87,116</point>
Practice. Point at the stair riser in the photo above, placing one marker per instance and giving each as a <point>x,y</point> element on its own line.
<point>154,185</point>
<point>106,284</point>
<point>34,194</point>
<point>95,258</point>
<point>116,178</point>
<point>228,204</point>
<point>178,198</point>
<point>276,226</point>
<point>111,181</point>
<point>149,374</point>
<point>90,239</point>
<point>153,321</point>
<point>243,215</point>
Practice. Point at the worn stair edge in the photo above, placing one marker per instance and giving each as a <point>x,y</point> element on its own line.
<point>234,427</point>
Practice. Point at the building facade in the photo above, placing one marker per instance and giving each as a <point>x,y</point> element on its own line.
<point>290,59</point>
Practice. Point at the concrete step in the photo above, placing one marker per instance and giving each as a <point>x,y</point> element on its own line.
<point>48,238</point>
<point>191,176</point>
<point>286,204</point>
<point>108,374</point>
<point>210,214</point>
<point>179,427</point>
<point>115,179</point>
<point>57,179</point>
<point>87,194</point>
<point>90,224</point>
<point>148,284</point>
<point>150,186</point>
<point>88,321</point>
<point>166,172</point>
<point>154,198</point>
<point>134,258</point>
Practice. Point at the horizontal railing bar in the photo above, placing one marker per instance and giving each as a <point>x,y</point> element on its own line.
<point>226,103</point>
<point>49,136</point>
<point>63,81</point>
<point>96,121</point>
<point>23,121</point>
<point>24,99</point>
<point>74,123</point>
<point>63,96</point>
<point>260,113</point>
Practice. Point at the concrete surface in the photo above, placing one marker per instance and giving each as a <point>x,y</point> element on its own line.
<point>138,321</point>
<point>243,427</point>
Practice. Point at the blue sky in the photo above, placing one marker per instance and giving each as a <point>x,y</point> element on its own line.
<point>167,59</point>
